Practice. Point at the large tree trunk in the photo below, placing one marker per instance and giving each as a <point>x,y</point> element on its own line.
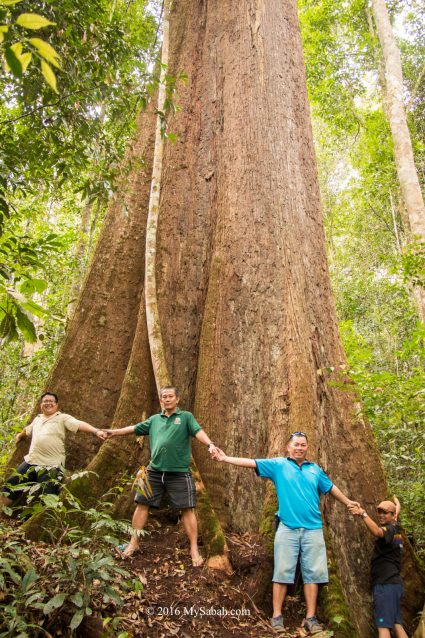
<point>244,300</point>
<point>90,368</point>
<point>396,114</point>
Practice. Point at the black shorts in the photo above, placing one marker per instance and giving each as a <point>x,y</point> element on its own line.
<point>386,605</point>
<point>179,486</point>
<point>25,477</point>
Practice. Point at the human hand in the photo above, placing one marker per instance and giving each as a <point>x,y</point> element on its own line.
<point>101,434</point>
<point>107,434</point>
<point>355,508</point>
<point>218,454</point>
<point>351,504</point>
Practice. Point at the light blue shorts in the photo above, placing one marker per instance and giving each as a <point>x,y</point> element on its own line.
<point>309,545</point>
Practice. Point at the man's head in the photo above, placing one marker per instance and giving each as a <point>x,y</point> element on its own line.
<point>297,447</point>
<point>169,397</point>
<point>386,512</point>
<point>49,403</point>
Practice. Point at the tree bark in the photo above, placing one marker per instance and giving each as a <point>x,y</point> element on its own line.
<point>244,300</point>
<point>403,151</point>
<point>92,362</point>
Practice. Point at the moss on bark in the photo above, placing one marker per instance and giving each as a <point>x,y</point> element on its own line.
<point>332,602</point>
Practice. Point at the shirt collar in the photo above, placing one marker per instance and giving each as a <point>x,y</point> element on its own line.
<point>177,411</point>
<point>305,462</point>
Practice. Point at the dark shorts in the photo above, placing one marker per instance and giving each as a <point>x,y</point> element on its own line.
<point>386,605</point>
<point>179,486</point>
<point>33,479</point>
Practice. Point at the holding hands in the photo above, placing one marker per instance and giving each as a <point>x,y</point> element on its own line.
<point>217,454</point>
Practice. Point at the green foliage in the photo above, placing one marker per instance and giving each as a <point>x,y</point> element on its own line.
<point>374,265</point>
<point>45,591</point>
<point>63,153</point>
<point>18,50</point>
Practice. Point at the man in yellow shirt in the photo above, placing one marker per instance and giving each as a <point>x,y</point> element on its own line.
<point>45,462</point>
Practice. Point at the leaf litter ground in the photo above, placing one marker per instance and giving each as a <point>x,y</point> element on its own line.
<point>181,600</point>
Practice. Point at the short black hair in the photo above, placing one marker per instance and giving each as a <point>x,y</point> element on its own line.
<point>50,394</point>
<point>170,387</point>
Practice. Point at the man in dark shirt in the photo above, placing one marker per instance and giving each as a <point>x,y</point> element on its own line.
<point>387,585</point>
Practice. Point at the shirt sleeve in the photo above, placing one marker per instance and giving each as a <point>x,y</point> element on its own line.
<point>325,484</point>
<point>266,468</point>
<point>142,429</point>
<point>71,423</point>
<point>389,531</point>
<point>28,428</point>
<point>192,424</point>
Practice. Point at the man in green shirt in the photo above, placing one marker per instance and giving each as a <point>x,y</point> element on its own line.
<point>170,435</point>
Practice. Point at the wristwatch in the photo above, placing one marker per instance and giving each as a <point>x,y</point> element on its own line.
<point>364,514</point>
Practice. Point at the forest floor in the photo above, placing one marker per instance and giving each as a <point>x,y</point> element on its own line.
<point>181,600</point>
<point>176,599</point>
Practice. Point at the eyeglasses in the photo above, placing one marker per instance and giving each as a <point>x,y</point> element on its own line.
<point>297,434</point>
<point>382,511</point>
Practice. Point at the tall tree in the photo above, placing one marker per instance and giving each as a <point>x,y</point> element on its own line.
<point>244,300</point>
<point>403,151</point>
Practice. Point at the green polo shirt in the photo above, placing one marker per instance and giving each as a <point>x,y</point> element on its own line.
<point>170,440</point>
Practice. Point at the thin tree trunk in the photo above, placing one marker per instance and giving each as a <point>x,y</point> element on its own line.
<point>403,151</point>
<point>213,535</point>
<point>80,253</point>
<point>151,301</point>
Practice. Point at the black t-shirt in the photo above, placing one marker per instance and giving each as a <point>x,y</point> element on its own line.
<point>386,557</point>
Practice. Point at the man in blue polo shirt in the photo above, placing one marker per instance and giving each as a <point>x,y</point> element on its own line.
<point>298,484</point>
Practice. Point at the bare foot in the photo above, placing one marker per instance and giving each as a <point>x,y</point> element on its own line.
<point>197,560</point>
<point>128,551</point>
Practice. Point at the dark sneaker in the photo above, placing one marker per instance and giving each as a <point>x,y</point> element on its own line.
<point>313,626</point>
<point>277,624</point>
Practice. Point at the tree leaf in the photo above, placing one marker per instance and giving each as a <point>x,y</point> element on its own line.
<point>77,618</point>
<point>17,49</point>
<point>47,51</point>
<point>29,578</point>
<point>3,29</point>
<point>49,75</point>
<point>54,603</point>
<point>25,59</point>
<point>77,599</point>
<point>12,62</point>
<point>33,21</point>
<point>8,330</point>
<point>9,3</point>
<point>26,326</point>
<point>29,286</point>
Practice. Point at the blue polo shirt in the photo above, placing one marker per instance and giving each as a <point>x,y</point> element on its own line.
<point>298,489</point>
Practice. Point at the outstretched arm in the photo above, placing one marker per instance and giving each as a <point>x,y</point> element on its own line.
<point>119,431</point>
<point>219,455</point>
<point>373,528</point>
<point>203,437</point>
<point>336,493</point>
<point>86,427</point>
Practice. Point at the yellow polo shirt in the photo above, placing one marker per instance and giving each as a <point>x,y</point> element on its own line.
<point>48,439</point>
